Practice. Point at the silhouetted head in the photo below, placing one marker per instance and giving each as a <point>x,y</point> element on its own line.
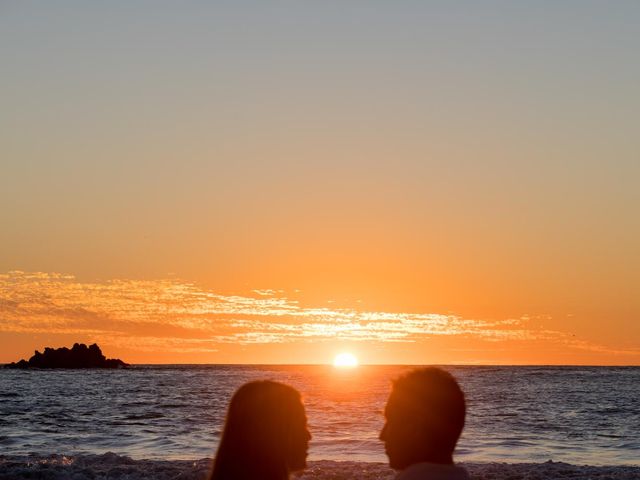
<point>265,434</point>
<point>424,418</point>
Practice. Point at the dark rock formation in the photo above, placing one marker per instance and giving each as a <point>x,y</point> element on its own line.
<point>79,356</point>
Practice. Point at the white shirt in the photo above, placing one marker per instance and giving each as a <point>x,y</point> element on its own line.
<point>432,471</point>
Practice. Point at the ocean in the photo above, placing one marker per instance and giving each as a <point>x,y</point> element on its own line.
<point>575,415</point>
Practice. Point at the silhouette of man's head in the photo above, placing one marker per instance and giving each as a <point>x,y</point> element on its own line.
<point>424,418</point>
<point>265,435</point>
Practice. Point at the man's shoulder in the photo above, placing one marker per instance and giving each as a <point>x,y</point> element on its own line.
<point>433,471</point>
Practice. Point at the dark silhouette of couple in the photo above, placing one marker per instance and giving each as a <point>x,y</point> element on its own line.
<point>266,436</point>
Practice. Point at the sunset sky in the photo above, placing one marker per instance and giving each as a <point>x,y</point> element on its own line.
<point>277,182</point>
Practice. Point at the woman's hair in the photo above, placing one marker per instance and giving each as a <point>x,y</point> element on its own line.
<point>261,437</point>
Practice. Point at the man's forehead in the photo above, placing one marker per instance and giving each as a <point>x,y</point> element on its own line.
<point>400,404</point>
<point>394,405</point>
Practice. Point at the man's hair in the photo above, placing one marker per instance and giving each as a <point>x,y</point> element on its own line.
<point>432,397</point>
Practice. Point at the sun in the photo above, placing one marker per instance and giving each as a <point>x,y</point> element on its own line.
<point>345,360</point>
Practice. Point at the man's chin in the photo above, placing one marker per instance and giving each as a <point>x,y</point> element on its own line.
<point>396,463</point>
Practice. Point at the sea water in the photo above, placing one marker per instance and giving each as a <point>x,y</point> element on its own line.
<point>578,415</point>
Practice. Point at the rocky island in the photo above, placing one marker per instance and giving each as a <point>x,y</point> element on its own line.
<point>78,356</point>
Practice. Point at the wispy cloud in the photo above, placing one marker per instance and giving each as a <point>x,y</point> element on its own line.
<point>177,315</point>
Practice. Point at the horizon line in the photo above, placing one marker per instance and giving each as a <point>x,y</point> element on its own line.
<point>362,365</point>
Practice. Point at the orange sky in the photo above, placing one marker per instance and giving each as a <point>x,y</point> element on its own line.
<point>172,321</point>
<point>416,183</point>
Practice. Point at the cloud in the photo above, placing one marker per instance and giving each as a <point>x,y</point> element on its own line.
<point>180,316</point>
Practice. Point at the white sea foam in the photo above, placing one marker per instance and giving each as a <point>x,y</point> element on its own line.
<point>110,466</point>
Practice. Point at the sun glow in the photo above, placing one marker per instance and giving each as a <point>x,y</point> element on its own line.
<point>345,360</point>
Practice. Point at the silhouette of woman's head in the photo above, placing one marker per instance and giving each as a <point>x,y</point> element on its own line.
<point>265,434</point>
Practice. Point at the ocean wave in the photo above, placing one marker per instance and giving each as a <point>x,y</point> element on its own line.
<point>117,467</point>
<point>171,413</point>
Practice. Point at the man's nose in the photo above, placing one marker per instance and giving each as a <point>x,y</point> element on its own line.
<point>383,432</point>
